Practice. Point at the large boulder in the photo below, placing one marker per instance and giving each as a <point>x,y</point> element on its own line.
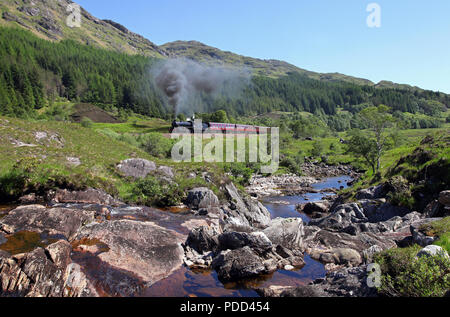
<point>136,168</point>
<point>444,198</point>
<point>166,172</point>
<point>315,209</point>
<point>144,249</point>
<point>199,198</point>
<point>342,216</point>
<point>433,250</point>
<point>374,192</point>
<point>333,247</point>
<point>419,236</point>
<point>236,240</point>
<point>257,215</point>
<point>341,256</point>
<point>54,221</point>
<point>396,224</point>
<point>377,212</point>
<point>245,211</point>
<point>286,232</point>
<point>234,265</point>
<point>203,239</point>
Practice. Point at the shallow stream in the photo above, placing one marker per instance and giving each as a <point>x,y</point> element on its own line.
<point>183,282</point>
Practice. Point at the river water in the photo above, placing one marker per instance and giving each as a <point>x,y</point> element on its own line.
<point>189,283</point>
<point>285,206</point>
<point>185,282</point>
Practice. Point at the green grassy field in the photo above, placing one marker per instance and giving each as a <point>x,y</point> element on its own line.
<point>103,145</point>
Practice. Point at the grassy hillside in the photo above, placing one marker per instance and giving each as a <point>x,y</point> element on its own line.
<point>46,160</point>
<point>271,68</point>
<point>36,156</point>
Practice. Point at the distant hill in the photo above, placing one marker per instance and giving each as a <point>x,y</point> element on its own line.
<point>271,68</point>
<point>46,18</point>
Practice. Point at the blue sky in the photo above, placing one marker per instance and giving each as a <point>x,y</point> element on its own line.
<point>412,46</point>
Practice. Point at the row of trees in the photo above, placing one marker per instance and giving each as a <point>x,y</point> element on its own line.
<point>34,71</point>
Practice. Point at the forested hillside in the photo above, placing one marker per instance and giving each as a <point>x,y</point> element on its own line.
<point>34,72</point>
<point>47,19</point>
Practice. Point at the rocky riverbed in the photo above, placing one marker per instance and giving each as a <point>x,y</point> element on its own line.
<point>89,244</point>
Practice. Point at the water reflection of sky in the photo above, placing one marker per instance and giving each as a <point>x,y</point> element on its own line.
<point>333,182</point>
<point>285,206</point>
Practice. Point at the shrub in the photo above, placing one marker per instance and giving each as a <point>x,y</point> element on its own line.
<point>152,191</point>
<point>402,199</point>
<point>86,122</point>
<point>12,185</point>
<point>318,149</point>
<point>28,176</point>
<point>240,172</point>
<point>293,166</point>
<point>16,181</point>
<point>156,145</point>
<point>404,275</point>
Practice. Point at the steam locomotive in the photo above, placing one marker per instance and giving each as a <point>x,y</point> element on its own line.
<point>214,127</point>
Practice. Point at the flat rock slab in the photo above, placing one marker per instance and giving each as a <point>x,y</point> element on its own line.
<point>323,243</point>
<point>54,221</point>
<point>147,250</point>
<point>90,196</point>
<point>182,223</point>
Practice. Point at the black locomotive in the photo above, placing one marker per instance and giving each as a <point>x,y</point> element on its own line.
<point>214,127</point>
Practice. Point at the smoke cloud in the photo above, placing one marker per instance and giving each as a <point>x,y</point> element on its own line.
<point>181,80</point>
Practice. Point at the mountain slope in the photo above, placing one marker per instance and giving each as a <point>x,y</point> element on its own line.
<point>47,19</point>
<point>272,68</point>
<point>34,71</point>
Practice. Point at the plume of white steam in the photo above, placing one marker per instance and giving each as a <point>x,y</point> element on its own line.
<point>181,79</point>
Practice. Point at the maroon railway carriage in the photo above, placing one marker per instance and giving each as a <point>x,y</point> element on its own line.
<point>215,127</point>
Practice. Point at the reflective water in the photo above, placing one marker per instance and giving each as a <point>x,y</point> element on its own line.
<point>26,241</point>
<point>110,281</point>
<point>285,206</point>
<point>188,283</point>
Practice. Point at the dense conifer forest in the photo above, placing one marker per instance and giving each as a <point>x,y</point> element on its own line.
<point>34,72</point>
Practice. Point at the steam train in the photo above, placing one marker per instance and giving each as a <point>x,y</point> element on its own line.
<point>214,127</point>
